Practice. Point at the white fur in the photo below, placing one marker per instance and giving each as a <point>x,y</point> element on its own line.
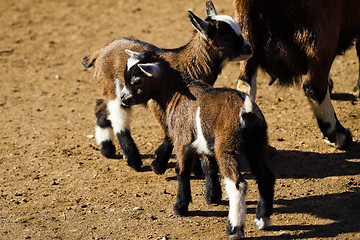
<point>119,117</point>
<point>248,105</point>
<point>247,108</point>
<point>237,204</point>
<point>118,88</point>
<point>325,111</point>
<point>200,144</point>
<point>229,20</point>
<point>103,134</point>
<point>125,91</point>
<point>262,223</point>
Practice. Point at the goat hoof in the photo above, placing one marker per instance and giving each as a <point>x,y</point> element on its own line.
<point>134,161</point>
<point>158,168</point>
<point>136,165</point>
<point>340,140</point>
<point>180,209</point>
<point>235,232</point>
<point>108,149</point>
<point>262,223</point>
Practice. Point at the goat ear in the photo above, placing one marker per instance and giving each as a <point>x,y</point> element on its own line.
<point>150,69</point>
<point>200,25</point>
<point>132,54</point>
<point>210,9</point>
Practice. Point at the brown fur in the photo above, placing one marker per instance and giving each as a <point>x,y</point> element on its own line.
<point>291,38</point>
<point>202,58</point>
<point>232,129</point>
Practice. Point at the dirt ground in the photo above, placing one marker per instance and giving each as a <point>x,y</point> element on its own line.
<point>55,184</point>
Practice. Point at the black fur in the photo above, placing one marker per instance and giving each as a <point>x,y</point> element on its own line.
<point>312,92</point>
<point>85,62</point>
<point>357,87</point>
<point>232,233</point>
<point>162,156</point>
<point>212,183</point>
<point>108,149</point>
<point>254,144</point>
<point>129,149</point>
<point>183,197</point>
<point>101,114</point>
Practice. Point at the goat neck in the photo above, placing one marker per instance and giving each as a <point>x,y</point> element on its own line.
<point>199,59</point>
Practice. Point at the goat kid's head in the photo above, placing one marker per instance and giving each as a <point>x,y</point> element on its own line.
<point>142,76</point>
<point>222,33</point>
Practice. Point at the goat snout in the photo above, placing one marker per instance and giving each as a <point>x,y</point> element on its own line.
<point>246,51</point>
<point>125,97</point>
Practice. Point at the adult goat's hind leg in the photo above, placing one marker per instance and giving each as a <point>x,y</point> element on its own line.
<point>319,97</point>
<point>104,133</point>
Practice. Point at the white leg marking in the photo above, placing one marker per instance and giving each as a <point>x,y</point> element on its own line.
<point>262,223</point>
<point>325,111</point>
<point>237,204</point>
<point>103,134</point>
<point>200,144</point>
<point>119,116</point>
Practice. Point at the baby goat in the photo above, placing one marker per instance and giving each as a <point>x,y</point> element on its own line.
<point>217,39</point>
<point>224,124</point>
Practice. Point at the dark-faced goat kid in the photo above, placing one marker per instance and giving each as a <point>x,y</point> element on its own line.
<point>224,124</point>
<point>216,40</point>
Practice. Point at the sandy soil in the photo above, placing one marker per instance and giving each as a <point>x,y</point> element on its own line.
<point>54,183</point>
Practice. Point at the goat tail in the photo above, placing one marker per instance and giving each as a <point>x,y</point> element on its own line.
<point>89,60</point>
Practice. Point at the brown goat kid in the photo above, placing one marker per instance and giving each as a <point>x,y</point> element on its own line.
<point>294,38</point>
<point>217,39</point>
<point>221,123</point>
